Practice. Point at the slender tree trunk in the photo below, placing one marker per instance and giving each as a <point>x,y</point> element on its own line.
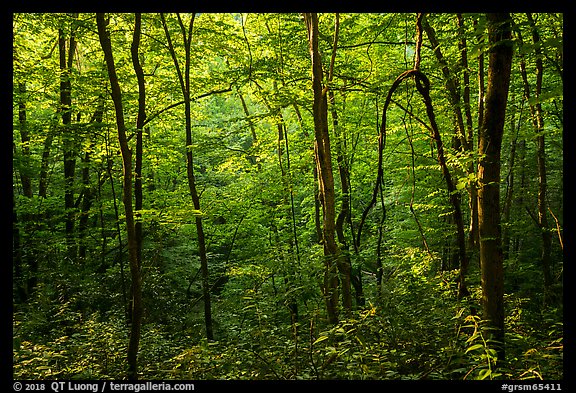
<point>66,61</point>
<point>126,153</point>
<point>119,255</point>
<point>491,258</point>
<point>134,49</point>
<point>325,175</point>
<point>247,113</point>
<point>463,143</point>
<point>452,86</point>
<point>423,86</point>
<point>509,195</point>
<point>344,261</point>
<point>538,125</point>
<point>88,191</point>
<point>470,170</point>
<point>25,138</point>
<point>20,256</point>
<point>45,164</point>
<point>473,233</point>
<point>379,247</point>
<point>184,79</point>
<point>289,275</point>
<point>21,294</point>
<point>541,160</point>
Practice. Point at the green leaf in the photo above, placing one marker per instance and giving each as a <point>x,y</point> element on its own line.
<point>474,347</point>
<point>320,339</point>
<point>485,373</point>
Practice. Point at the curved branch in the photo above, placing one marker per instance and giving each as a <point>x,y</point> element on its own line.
<point>381,144</point>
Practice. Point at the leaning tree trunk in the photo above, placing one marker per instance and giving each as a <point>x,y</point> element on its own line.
<point>463,141</point>
<point>491,256</point>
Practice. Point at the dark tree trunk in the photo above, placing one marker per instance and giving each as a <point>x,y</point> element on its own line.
<point>541,160</point>
<point>66,55</point>
<point>126,153</point>
<point>88,191</point>
<point>510,187</point>
<point>474,234</point>
<point>45,164</point>
<point>139,129</point>
<point>344,261</point>
<point>184,79</point>
<point>25,138</point>
<point>21,227</point>
<point>491,258</point>
<point>463,139</point>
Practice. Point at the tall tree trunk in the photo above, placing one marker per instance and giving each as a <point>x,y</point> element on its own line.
<point>541,159</point>
<point>452,86</point>
<point>289,274</point>
<point>141,117</point>
<point>463,132</point>
<point>247,113</point>
<point>509,195</point>
<point>344,261</point>
<point>20,227</point>
<point>185,87</point>
<point>66,55</point>
<point>470,170</point>
<point>473,233</point>
<point>88,191</point>
<point>491,258</point>
<point>126,153</point>
<point>25,138</point>
<point>538,125</point>
<point>21,294</point>
<point>45,164</point>
<point>324,167</point>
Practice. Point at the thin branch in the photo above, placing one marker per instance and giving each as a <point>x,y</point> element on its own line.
<point>412,114</point>
<point>334,46</point>
<point>558,230</point>
<point>375,42</point>
<point>418,40</point>
<point>155,115</point>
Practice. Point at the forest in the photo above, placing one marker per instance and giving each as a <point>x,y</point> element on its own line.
<point>287,196</point>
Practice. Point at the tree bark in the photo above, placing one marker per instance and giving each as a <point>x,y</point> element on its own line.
<point>472,191</point>
<point>423,86</point>
<point>21,227</point>
<point>141,117</point>
<point>538,120</point>
<point>344,261</point>
<point>452,86</point>
<point>88,191</point>
<point>184,79</point>
<point>126,153</point>
<point>491,257</point>
<point>510,186</point>
<point>25,138</point>
<point>463,134</point>
<point>325,174</point>
<point>66,56</point>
